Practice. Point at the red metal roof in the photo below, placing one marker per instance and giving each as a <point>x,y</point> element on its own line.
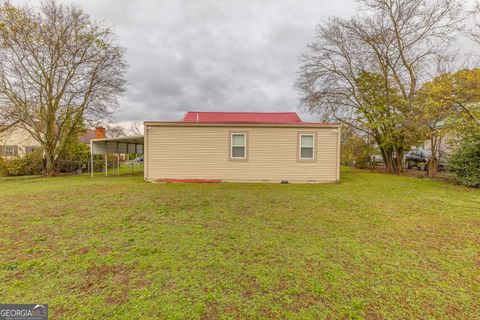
<point>242,117</point>
<point>223,124</point>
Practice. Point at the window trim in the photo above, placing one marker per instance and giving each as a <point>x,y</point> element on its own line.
<point>299,146</point>
<point>4,153</point>
<point>31,149</point>
<point>230,145</point>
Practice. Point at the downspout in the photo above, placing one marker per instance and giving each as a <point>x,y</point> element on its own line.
<point>145,152</point>
<point>338,153</point>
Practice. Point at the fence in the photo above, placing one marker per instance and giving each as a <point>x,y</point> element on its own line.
<point>115,165</point>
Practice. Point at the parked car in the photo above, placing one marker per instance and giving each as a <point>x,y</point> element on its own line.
<point>376,160</point>
<point>418,159</point>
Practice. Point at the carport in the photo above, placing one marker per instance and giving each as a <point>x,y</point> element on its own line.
<point>117,146</point>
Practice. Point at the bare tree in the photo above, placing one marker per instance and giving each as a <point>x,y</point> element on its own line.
<point>59,72</point>
<point>115,131</point>
<point>6,126</point>
<point>474,32</point>
<point>136,128</point>
<point>7,119</point>
<point>390,47</point>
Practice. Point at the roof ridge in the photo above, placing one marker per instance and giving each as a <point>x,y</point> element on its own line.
<point>242,112</point>
<point>239,116</point>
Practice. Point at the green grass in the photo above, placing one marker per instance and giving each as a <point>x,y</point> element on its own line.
<point>373,246</point>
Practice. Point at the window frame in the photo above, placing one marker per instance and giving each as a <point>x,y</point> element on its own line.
<point>314,147</point>
<point>32,149</point>
<point>4,151</point>
<point>245,145</point>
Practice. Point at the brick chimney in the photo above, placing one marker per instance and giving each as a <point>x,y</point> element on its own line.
<point>100,132</point>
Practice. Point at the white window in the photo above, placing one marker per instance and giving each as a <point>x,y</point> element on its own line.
<point>31,149</point>
<point>239,146</point>
<point>307,147</point>
<point>9,151</point>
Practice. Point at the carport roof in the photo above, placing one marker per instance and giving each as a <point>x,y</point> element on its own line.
<point>127,139</point>
<point>119,145</point>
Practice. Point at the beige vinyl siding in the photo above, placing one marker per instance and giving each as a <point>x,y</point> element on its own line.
<point>202,152</point>
<point>18,138</point>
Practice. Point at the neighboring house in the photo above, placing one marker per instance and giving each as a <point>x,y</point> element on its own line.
<point>97,133</point>
<point>17,142</point>
<point>237,146</point>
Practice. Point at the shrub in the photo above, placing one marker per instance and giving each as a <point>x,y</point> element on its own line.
<point>464,163</point>
<point>356,150</point>
<point>31,164</point>
<point>75,151</point>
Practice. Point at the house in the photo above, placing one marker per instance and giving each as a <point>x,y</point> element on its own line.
<point>242,146</point>
<point>98,132</point>
<point>17,142</point>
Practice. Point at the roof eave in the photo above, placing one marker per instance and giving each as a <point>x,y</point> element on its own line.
<point>240,124</point>
<point>118,139</point>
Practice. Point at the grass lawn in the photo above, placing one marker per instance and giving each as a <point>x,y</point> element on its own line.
<point>374,246</point>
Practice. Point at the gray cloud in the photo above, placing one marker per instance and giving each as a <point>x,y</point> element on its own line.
<point>211,55</point>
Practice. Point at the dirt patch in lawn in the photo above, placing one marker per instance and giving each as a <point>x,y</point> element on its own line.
<point>117,280</point>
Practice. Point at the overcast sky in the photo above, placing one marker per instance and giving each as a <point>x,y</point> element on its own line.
<point>211,55</point>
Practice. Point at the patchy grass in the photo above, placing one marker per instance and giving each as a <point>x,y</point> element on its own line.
<point>374,246</point>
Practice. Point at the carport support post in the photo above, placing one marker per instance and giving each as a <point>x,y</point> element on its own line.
<point>128,161</point>
<point>91,159</point>
<point>118,161</point>
<point>106,160</point>
<point>136,156</point>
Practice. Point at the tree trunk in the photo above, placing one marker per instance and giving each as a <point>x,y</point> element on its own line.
<point>432,167</point>
<point>399,167</point>
<point>387,156</point>
<point>389,164</point>
<point>50,165</point>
